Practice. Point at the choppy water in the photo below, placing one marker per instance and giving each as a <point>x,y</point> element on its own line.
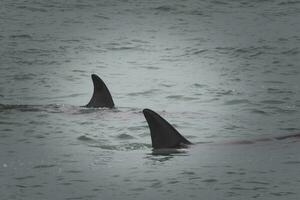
<point>218,70</point>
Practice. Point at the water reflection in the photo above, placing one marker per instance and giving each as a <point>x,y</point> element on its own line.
<point>168,152</point>
<point>159,156</point>
<point>154,159</point>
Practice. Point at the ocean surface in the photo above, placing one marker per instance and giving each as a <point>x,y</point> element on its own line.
<point>220,71</point>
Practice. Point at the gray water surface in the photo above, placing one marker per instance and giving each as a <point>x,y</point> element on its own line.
<point>219,71</point>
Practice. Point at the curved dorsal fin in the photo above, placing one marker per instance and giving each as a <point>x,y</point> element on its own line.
<point>101,96</point>
<point>163,134</point>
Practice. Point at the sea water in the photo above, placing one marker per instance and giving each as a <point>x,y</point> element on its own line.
<point>219,71</point>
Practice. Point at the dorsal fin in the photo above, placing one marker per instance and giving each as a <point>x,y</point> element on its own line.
<point>101,96</point>
<point>163,134</point>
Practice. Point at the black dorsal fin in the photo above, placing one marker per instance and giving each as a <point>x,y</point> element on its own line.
<point>101,96</point>
<point>163,134</point>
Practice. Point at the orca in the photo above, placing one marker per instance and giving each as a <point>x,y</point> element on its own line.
<point>101,96</point>
<point>163,134</point>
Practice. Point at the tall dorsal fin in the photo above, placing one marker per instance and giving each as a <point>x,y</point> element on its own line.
<point>163,134</point>
<point>101,96</point>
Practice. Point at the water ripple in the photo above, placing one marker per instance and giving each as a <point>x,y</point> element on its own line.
<point>21,36</point>
<point>237,101</point>
<point>44,166</point>
<point>144,93</point>
<point>124,136</point>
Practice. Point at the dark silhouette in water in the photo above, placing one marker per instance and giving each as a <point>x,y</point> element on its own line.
<point>165,136</point>
<point>101,96</point>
